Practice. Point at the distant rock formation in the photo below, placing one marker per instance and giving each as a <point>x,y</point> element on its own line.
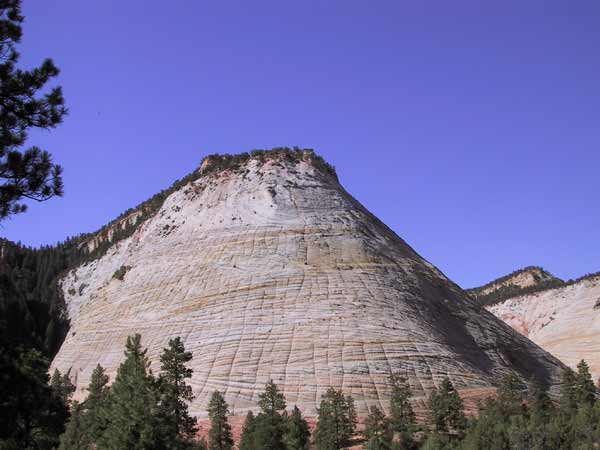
<point>524,281</point>
<point>268,269</point>
<point>564,320</point>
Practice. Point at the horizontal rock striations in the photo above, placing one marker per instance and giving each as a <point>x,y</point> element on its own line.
<point>565,321</point>
<point>269,269</point>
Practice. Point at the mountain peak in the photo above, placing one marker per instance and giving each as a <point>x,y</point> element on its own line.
<point>269,270</point>
<point>217,163</point>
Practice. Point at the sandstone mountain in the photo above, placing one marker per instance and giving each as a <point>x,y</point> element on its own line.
<point>527,280</point>
<point>268,269</point>
<point>564,320</point>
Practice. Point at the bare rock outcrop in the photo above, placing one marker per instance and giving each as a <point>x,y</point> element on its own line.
<point>271,270</point>
<point>565,321</point>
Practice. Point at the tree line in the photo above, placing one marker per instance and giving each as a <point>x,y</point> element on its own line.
<point>143,411</point>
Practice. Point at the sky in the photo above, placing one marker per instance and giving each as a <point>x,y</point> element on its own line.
<point>470,128</point>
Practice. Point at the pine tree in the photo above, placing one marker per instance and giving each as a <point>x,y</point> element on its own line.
<point>297,435</point>
<point>24,174</point>
<point>132,404</point>
<point>403,420</point>
<point>378,431</point>
<point>446,408</point>
<point>94,418</point>
<point>509,396</point>
<point>62,387</point>
<point>199,445</point>
<point>540,411</point>
<point>219,435</point>
<point>585,391</point>
<point>31,416</point>
<point>75,436</point>
<point>247,440</point>
<point>336,422</point>
<point>435,441</point>
<point>568,397</point>
<point>270,423</point>
<point>179,428</point>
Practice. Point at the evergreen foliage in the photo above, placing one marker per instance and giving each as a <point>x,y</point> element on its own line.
<point>403,420</point>
<point>175,395</point>
<point>132,404</point>
<point>511,290</point>
<point>378,431</point>
<point>62,387</point>
<point>75,436</point>
<point>336,423</point>
<point>585,390</point>
<point>25,174</point>
<point>31,415</point>
<point>247,441</point>
<point>94,406</point>
<point>270,422</point>
<point>297,435</point>
<point>446,408</point>
<point>133,413</point>
<point>219,435</point>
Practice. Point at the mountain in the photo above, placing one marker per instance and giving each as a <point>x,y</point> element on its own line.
<point>268,269</point>
<point>562,318</point>
<point>524,281</point>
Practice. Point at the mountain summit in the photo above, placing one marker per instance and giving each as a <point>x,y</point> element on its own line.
<point>268,269</point>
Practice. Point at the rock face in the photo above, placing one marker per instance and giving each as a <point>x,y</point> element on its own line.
<point>273,271</point>
<point>530,278</point>
<point>565,321</point>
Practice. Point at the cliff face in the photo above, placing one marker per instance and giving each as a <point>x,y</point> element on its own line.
<point>565,321</point>
<point>273,271</point>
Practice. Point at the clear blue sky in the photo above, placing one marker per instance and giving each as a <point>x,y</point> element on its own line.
<point>471,128</point>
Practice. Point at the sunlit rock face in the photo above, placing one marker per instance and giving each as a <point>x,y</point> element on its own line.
<point>273,271</point>
<point>564,321</point>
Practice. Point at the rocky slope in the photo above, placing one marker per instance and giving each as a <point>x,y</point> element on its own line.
<point>565,321</point>
<point>524,281</point>
<point>269,269</point>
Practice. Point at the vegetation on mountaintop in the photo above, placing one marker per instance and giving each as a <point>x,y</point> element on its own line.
<point>218,163</point>
<point>504,292</point>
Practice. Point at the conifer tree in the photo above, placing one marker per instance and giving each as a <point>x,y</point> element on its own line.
<point>178,427</point>
<point>297,435</point>
<point>94,417</point>
<point>540,410</point>
<point>378,431</point>
<point>446,408</point>
<point>509,396</point>
<point>568,395</point>
<point>248,433</point>
<point>270,422</point>
<point>132,404</point>
<point>219,435</point>
<point>436,441</point>
<point>200,445</point>
<point>585,391</point>
<point>75,436</point>
<point>24,174</point>
<point>62,387</point>
<point>336,422</point>
<point>31,416</point>
<point>402,420</point>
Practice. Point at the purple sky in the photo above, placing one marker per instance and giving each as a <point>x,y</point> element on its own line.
<point>471,129</point>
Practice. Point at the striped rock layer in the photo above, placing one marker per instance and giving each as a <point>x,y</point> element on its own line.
<point>565,321</point>
<point>273,271</point>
